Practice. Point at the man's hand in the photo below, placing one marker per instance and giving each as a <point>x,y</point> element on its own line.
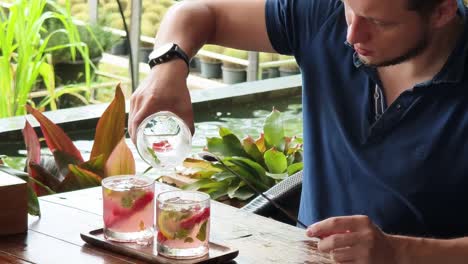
<point>354,239</point>
<point>165,89</point>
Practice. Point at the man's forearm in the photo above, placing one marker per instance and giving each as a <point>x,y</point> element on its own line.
<point>431,251</point>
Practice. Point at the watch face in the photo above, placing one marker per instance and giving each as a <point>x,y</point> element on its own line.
<point>158,52</point>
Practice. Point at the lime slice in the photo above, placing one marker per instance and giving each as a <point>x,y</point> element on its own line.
<point>167,224</point>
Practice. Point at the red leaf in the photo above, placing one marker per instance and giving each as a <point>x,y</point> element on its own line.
<point>121,161</point>
<point>45,177</point>
<point>111,127</point>
<point>55,137</point>
<point>33,148</point>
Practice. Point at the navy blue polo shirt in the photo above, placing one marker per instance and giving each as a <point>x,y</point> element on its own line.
<point>407,170</point>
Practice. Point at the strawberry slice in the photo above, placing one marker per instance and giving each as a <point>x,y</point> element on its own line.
<point>162,146</point>
<point>197,218</point>
<point>123,213</point>
<point>161,237</point>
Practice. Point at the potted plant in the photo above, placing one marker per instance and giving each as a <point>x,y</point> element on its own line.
<point>269,72</point>
<point>70,68</point>
<point>233,72</point>
<point>263,161</point>
<point>288,68</point>
<point>211,67</point>
<point>25,49</point>
<point>120,47</point>
<point>66,170</point>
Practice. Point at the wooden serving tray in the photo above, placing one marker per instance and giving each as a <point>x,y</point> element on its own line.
<point>217,253</point>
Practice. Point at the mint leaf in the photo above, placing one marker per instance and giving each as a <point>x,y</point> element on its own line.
<point>153,155</point>
<point>181,233</point>
<point>126,202</point>
<point>202,232</point>
<point>188,240</point>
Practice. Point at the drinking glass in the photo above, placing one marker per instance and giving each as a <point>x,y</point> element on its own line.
<point>183,224</point>
<point>164,141</point>
<point>128,203</point>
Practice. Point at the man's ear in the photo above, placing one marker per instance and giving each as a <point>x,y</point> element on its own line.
<point>444,13</point>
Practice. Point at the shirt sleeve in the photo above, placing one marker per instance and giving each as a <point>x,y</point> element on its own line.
<point>290,22</point>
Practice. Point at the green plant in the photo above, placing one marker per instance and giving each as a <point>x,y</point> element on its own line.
<point>24,58</point>
<point>264,161</point>
<point>235,53</point>
<point>66,170</point>
<point>96,39</point>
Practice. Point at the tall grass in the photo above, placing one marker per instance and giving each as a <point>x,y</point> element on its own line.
<point>25,55</point>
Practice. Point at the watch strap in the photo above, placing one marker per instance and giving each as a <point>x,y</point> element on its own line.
<point>175,51</point>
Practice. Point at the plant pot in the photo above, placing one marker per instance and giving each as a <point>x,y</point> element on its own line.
<point>144,52</point>
<point>270,73</point>
<point>67,72</point>
<point>288,72</point>
<point>195,64</point>
<point>120,48</point>
<point>210,69</point>
<point>234,75</point>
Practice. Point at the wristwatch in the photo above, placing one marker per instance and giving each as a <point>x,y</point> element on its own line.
<point>166,53</point>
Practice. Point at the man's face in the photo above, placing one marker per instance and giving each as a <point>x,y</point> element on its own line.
<point>385,32</point>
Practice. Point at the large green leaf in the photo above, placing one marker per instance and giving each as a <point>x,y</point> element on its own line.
<point>215,145</point>
<point>243,193</point>
<point>217,190</point>
<point>233,146</point>
<point>55,137</point>
<point>293,168</point>
<point>120,161</point>
<point>111,126</point>
<point>199,164</point>
<point>223,175</point>
<point>228,145</point>
<point>251,148</point>
<point>276,161</point>
<point>233,187</point>
<point>197,185</point>
<point>253,167</point>
<point>248,173</point>
<point>274,131</point>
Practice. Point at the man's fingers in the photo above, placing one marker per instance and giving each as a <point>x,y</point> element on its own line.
<point>336,225</point>
<point>337,241</point>
<point>343,255</point>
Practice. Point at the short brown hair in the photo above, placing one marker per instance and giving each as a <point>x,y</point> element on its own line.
<point>423,6</point>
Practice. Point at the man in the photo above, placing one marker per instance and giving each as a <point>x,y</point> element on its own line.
<point>385,114</point>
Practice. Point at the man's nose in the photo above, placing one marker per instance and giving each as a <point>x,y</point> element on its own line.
<point>357,31</point>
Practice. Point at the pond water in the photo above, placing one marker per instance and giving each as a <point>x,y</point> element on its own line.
<point>242,119</point>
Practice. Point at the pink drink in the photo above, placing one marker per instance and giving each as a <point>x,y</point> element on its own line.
<point>128,209</point>
<point>183,222</point>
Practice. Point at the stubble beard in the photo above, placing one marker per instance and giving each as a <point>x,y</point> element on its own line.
<point>413,52</point>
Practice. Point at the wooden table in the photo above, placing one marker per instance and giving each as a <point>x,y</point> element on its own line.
<point>55,237</point>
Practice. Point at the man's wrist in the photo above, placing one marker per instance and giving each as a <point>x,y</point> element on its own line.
<point>401,247</point>
<point>176,67</point>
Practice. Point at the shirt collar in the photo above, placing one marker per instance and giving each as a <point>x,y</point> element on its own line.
<point>453,70</point>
